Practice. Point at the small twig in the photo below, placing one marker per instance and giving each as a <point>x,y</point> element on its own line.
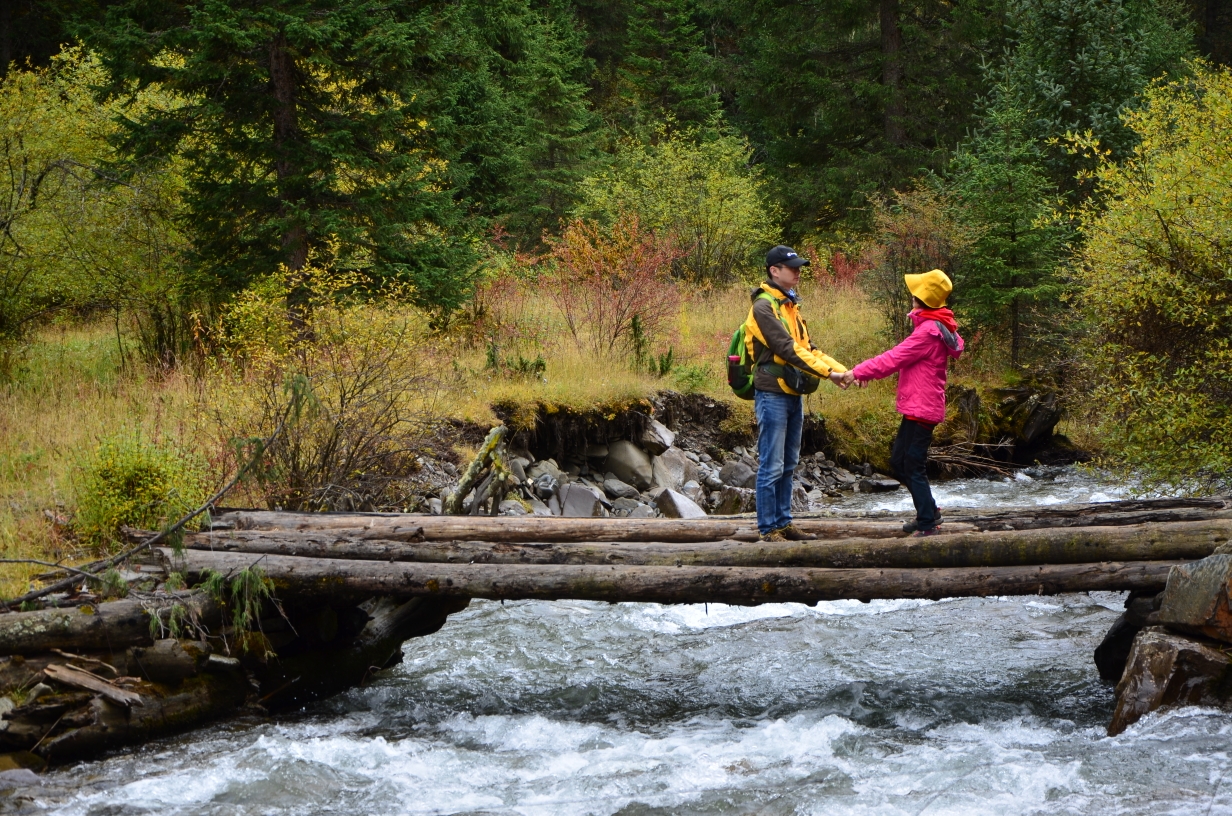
<point>49,730</point>
<point>87,575</point>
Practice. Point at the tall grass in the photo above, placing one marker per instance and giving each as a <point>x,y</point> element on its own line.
<point>72,392</point>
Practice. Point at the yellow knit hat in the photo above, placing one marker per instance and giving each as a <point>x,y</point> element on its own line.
<point>930,287</point>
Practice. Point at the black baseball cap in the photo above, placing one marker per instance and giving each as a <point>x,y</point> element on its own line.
<point>784,256</point>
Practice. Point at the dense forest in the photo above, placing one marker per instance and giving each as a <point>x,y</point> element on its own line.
<point>189,174</point>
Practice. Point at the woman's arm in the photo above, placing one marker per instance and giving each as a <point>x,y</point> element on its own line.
<point>896,359</point>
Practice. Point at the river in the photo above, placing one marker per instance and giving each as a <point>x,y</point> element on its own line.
<point>966,706</point>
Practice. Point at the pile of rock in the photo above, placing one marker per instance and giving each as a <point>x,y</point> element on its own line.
<point>1173,648</point>
<point>655,474</point>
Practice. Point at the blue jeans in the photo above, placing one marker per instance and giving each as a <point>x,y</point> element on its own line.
<point>780,419</point>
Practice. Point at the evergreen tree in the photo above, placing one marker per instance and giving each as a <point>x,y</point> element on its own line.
<point>1078,65</point>
<point>1010,282</point>
<point>299,128</point>
<point>845,98</point>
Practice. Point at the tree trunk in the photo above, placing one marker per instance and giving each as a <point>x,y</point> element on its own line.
<point>1065,545</point>
<point>892,73</point>
<point>287,143</point>
<point>308,577</point>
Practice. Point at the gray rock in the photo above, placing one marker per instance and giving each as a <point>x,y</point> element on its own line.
<point>656,438</point>
<point>547,466</point>
<point>1196,598</point>
<point>435,507</point>
<point>677,505</point>
<point>878,484</point>
<point>625,504</point>
<point>616,489</point>
<point>734,500</point>
<point>578,501</point>
<point>693,457</point>
<point>704,457</point>
<point>517,469</point>
<point>19,778</point>
<point>642,511</point>
<point>712,481</point>
<point>694,491</point>
<point>546,486</point>
<point>737,474</point>
<point>673,469</point>
<point>1166,668</point>
<point>538,508</point>
<point>554,505</point>
<point>511,507</point>
<point>799,500</point>
<point>596,451</point>
<point>816,497</point>
<point>630,464</point>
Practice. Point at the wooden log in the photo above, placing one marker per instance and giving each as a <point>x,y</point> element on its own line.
<point>526,529</point>
<point>108,626</point>
<point>1074,545</point>
<point>515,529</point>
<point>735,585</point>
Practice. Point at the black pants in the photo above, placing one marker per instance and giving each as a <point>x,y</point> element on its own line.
<point>908,457</point>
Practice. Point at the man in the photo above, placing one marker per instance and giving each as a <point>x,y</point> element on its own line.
<point>786,364</point>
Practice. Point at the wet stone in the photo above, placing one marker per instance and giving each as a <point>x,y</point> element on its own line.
<point>737,474</point>
<point>1166,668</point>
<point>1196,598</point>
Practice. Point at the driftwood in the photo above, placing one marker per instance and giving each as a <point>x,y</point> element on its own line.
<point>735,585</point>
<point>1066,545</point>
<point>79,678</point>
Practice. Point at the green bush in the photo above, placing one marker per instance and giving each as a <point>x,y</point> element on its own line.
<point>1157,290</point>
<point>130,481</point>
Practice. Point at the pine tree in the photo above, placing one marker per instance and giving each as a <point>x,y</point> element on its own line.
<point>299,129</point>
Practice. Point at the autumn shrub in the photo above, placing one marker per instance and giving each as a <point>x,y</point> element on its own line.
<point>915,231</point>
<point>353,389</point>
<point>1156,286</point>
<point>129,480</point>
<point>612,284</point>
<point>705,193</point>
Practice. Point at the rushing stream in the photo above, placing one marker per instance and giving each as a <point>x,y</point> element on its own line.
<point>966,706</point>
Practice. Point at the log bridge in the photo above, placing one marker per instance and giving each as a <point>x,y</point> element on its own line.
<point>349,589</point>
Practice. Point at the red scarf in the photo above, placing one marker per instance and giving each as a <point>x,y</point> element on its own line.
<point>943,314</point>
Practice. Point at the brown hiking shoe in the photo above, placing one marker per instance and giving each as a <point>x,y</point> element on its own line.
<point>774,535</point>
<point>793,533</point>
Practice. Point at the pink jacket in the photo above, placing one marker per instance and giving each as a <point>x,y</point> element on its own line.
<point>920,362</point>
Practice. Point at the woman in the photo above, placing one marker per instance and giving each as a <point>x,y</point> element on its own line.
<point>920,362</point>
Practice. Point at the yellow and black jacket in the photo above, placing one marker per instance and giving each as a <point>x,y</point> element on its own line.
<point>778,336</point>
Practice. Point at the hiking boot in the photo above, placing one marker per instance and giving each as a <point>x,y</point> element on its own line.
<point>774,536</point>
<point>793,533</point>
<point>930,532</point>
<point>912,526</point>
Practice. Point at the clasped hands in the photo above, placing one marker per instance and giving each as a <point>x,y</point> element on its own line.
<point>845,380</point>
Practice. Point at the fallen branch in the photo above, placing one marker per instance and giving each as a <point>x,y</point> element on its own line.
<point>82,679</point>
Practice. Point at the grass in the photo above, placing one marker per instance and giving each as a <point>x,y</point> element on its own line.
<point>71,392</point>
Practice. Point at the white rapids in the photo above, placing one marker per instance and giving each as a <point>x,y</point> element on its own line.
<point>966,706</point>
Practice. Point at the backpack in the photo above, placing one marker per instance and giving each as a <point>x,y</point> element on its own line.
<point>741,368</point>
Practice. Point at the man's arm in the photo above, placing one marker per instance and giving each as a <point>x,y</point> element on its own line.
<point>782,345</point>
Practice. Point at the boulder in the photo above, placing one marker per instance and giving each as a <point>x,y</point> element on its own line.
<point>545,486</point>
<point>734,500</point>
<point>435,506</point>
<point>1166,668</point>
<point>878,484</point>
<point>799,499</point>
<point>630,464</point>
<point>579,501</point>
<point>596,451</point>
<point>656,438</point>
<point>642,511</point>
<point>694,491</point>
<point>1196,598</point>
<point>737,474</point>
<point>538,508</point>
<point>547,466</point>
<point>512,507</point>
<point>677,505</point>
<point>616,489</point>
<point>625,505</point>
<point>1112,653</point>
<point>673,469</point>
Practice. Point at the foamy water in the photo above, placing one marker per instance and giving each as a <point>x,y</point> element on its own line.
<point>966,706</point>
